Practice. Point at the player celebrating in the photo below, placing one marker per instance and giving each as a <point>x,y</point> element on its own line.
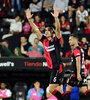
<point>78,78</point>
<point>52,52</point>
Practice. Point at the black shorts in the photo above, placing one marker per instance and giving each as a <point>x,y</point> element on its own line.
<point>72,81</point>
<point>56,77</point>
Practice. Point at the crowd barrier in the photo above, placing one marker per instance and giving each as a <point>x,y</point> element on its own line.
<point>24,63</point>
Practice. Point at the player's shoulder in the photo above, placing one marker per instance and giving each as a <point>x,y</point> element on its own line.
<point>77,51</point>
<point>77,48</point>
<point>43,38</point>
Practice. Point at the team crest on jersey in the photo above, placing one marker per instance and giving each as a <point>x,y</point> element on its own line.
<point>50,48</point>
<point>78,54</point>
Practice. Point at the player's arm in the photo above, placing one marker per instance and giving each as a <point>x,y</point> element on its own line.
<point>57,24</point>
<point>78,66</point>
<point>34,27</point>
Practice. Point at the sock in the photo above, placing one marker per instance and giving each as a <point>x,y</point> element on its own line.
<point>67,95</point>
<point>57,94</point>
<point>82,96</point>
<point>64,98</point>
<point>87,93</point>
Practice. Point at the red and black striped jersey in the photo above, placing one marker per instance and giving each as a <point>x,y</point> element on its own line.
<point>79,52</point>
<point>52,51</point>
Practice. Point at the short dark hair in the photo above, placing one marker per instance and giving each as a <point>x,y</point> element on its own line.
<point>50,25</point>
<point>51,28</point>
<point>74,35</point>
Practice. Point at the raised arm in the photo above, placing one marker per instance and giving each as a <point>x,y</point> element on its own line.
<point>57,24</point>
<point>34,27</point>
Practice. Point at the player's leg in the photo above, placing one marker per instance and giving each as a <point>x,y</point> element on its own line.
<point>70,84</point>
<point>85,93</point>
<point>55,89</point>
<point>68,92</point>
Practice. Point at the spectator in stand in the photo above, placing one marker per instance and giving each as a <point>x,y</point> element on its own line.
<point>4,92</point>
<point>36,6</point>
<point>78,28</point>
<point>65,25</point>
<point>62,5</point>
<point>49,95</point>
<point>40,23</point>
<point>25,42</point>
<point>17,51</point>
<point>2,52</point>
<point>39,48</point>
<point>86,47</point>
<point>42,26</point>
<point>26,28</point>
<point>37,19</point>
<point>48,5</point>
<point>47,8</point>
<point>32,37</point>
<point>34,53</point>
<point>87,28</point>
<point>71,20</point>
<point>73,6</point>
<point>15,25</point>
<point>18,2</point>
<point>35,92</point>
<point>82,14</point>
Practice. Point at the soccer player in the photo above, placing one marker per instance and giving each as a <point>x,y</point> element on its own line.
<point>78,78</point>
<point>52,52</point>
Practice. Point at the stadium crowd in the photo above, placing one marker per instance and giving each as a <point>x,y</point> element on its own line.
<point>18,39</point>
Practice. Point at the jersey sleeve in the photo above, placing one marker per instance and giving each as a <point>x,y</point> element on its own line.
<point>77,52</point>
<point>59,40</point>
<point>42,38</point>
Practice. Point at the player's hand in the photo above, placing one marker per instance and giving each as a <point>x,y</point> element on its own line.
<point>56,13</point>
<point>79,78</point>
<point>28,14</point>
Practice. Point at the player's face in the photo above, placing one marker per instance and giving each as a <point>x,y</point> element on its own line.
<point>47,32</point>
<point>71,41</point>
